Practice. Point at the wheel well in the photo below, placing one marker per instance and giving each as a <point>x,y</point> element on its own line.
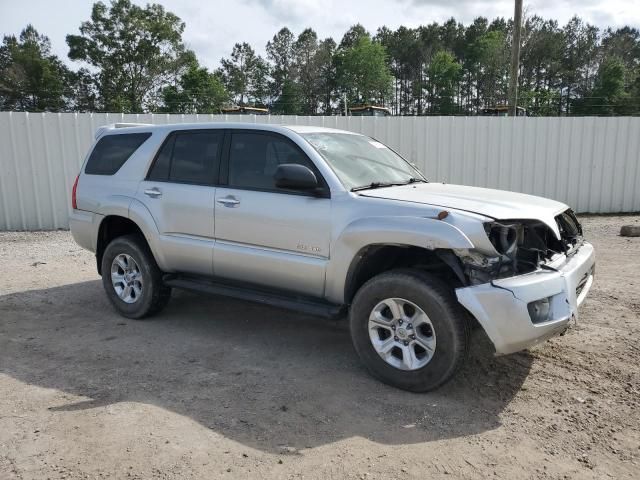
<point>112,227</point>
<point>375,259</point>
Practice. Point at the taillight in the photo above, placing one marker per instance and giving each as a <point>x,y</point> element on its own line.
<point>74,203</point>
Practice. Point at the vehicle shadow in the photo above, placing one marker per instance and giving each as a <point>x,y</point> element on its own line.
<point>261,376</point>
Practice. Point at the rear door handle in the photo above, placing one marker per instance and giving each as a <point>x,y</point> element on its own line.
<point>153,192</point>
<point>229,201</point>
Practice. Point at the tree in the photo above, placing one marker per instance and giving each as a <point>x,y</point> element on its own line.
<point>608,95</point>
<point>136,52</point>
<point>197,91</point>
<point>83,92</point>
<point>363,73</point>
<point>444,74</point>
<point>305,66</point>
<point>259,81</point>
<point>579,61</point>
<point>280,53</point>
<point>288,103</point>
<point>353,35</point>
<point>493,55</point>
<point>245,75</point>
<point>326,73</point>
<point>31,78</point>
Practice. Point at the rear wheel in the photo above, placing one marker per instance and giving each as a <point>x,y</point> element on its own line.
<point>132,279</point>
<point>409,330</point>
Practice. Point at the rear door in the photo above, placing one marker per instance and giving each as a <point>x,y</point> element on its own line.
<point>179,192</point>
<point>266,235</point>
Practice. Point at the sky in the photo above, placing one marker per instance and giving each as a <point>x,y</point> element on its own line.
<point>214,26</point>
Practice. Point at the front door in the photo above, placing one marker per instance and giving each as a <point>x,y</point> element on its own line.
<point>179,192</point>
<point>264,235</point>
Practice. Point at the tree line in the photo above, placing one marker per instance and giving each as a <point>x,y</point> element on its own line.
<point>133,59</point>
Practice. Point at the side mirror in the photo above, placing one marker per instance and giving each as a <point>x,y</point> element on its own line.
<point>293,176</point>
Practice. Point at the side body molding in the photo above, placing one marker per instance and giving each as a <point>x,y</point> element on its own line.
<point>422,232</point>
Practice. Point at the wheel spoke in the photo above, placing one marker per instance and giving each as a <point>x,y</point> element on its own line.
<point>121,260</point>
<point>117,278</point>
<point>395,307</point>
<point>420,318</point>
<point>428,343</point>
<point>384,347</point>
<point>125,292</point>
<point>379,320</point>
<point>409,357</point>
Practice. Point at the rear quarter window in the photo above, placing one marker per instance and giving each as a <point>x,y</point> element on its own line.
<point>112,151</point>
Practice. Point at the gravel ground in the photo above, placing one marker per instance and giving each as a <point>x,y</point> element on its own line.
<point>217,388</point>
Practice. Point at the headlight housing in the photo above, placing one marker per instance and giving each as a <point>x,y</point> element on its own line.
<point>505,237</point>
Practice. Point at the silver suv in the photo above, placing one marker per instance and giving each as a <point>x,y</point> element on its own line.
<point>330,223</point>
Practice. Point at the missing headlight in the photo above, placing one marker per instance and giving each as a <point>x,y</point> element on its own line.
<point>521,246</point>
<point>505,237</point>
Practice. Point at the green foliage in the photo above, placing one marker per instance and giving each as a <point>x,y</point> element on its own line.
<point>197,91</point>
<point>280,53</point>
<point>136,52</point>
<point>133,60</point>
<point>31,78</point>
<point>444,73</point>
<point>288,103</point>
<point>245,75</point>
<point>363,73</point>
<point>608,97</point>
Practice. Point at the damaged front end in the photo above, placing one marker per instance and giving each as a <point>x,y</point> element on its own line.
<point>521,246</point>
<point>530,286</point>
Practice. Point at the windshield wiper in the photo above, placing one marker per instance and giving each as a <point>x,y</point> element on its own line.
<point>373,185</point>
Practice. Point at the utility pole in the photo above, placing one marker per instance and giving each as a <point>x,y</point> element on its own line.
<point>346,111</point>
<point>515,59</point>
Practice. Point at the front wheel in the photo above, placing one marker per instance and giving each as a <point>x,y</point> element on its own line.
<point>132,279</point>
<point>409,330</point>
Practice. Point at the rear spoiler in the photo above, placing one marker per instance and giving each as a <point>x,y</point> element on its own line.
<point>100,131</point>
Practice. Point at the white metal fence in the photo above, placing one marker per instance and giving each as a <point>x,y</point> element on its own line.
<point>593,164</point>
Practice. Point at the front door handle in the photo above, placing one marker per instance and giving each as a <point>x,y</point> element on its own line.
<point>153,192</point>
<point>229,201</point>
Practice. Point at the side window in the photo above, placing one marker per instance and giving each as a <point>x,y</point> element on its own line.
<point>189,157</point>
<point>112,151</point>
<point>254,158</point>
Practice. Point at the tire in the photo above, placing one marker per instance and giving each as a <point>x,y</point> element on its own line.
<point>444,332</point>
<point>149,295</point>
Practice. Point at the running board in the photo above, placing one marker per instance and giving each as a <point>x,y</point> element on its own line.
<point>298,303</point>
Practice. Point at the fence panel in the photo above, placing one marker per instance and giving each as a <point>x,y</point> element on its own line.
<point>593,164</point>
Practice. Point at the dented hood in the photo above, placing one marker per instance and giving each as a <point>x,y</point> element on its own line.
<point>497,204</point>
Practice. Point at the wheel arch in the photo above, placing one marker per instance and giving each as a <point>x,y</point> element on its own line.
<point>138,221</point>
<point>371,239</point>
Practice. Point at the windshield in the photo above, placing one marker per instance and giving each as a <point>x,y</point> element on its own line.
<point>362,162</point>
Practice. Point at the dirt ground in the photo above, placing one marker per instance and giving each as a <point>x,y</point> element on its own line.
<point>217,388</point>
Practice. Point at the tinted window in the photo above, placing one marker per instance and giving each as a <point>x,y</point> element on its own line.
<point>254,157</point>
<point>112,151</point>
<point>191,157</point>
<point>160,169</point>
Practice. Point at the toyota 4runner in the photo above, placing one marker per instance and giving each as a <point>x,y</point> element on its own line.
<point>328,222</point>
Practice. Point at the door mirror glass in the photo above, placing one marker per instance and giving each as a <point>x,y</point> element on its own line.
<point>292,176</point>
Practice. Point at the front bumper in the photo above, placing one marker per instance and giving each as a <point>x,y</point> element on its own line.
<point>501,306</point>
